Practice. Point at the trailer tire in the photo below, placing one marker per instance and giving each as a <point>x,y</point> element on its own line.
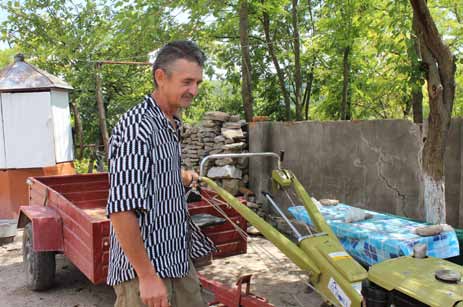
<point>40,267</point>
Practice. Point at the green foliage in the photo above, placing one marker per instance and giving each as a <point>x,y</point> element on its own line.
<point>67,37</point>
<point>6,56</point>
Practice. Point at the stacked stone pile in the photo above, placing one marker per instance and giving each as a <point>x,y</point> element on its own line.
<point>218,133</point>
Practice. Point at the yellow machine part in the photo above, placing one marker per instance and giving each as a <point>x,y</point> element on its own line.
<point>416,278</point>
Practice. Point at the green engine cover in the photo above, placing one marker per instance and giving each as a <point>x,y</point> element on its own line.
<point>416,278</point>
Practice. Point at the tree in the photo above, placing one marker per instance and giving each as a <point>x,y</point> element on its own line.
<point>440,76</point>
<point>272,52</point>
<point>246,70</point>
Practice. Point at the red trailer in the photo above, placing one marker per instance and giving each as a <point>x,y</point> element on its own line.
<point>66,214</point>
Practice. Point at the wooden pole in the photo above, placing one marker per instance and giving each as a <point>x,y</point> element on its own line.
<point>79,130</point>
<point>101,110</point>
<point>123,62</point>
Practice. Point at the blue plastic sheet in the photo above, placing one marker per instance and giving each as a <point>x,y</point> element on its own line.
<point>381,237</point>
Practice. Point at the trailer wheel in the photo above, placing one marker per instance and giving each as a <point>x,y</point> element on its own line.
<point>40,267</point>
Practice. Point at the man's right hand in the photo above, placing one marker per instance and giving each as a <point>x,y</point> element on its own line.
<point>153,292</point>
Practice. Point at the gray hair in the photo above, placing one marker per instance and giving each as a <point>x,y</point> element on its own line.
<point>180,49</point>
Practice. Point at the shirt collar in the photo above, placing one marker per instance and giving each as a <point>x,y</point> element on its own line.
<point>157,112</point>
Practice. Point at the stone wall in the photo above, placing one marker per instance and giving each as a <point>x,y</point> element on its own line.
<point>218,133</point>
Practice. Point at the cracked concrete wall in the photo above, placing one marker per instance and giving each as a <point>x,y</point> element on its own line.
<point>369,164</point>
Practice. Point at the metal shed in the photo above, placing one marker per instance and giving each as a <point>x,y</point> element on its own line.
<point>35,131</point>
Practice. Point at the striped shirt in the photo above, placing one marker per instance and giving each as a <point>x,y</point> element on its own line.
<point>145,177</point>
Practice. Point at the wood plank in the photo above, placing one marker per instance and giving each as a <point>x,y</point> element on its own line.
<point>80,186</point>
<point>240,221</point>
<point>86,195</point>
<point>225,237</point>
<point>50,180</point>
<point>229,249</point>
<point>89,204</point>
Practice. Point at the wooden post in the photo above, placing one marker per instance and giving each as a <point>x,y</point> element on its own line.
<point>101,110</point>
<point>78,130</point>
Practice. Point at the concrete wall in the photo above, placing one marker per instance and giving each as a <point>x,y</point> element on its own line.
<point>369,164</point>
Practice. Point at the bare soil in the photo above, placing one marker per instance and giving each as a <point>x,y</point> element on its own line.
<point>274,277</point>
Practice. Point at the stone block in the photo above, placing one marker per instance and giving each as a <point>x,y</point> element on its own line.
<point>216,115</point>
<point>227,171</point>
<point>232,133</point>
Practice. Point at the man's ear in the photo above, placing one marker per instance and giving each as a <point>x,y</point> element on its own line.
<point>159,76</point>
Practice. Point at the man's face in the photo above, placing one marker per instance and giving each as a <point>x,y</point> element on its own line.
<point>180,84</point>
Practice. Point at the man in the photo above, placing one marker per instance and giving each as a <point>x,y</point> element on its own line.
<point>152,236</point>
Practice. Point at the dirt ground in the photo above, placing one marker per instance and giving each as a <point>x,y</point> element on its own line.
<point>274,277</point>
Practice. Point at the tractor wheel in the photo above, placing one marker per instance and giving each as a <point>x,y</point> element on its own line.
<point>40,267</point>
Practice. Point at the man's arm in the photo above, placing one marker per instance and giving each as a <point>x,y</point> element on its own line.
<point>153,293</point>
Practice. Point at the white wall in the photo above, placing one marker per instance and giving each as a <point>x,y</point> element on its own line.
<point>2,139</point>
<point>28,128</point>
<point>62,126</point>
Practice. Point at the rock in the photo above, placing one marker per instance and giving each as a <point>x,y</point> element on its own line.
<point>234,146</point>
<point>223,162</point>
<point>232,133</point>
<point>329,202</point>
<point>216,115</point>
<point>215,151</point>
<point>253,231</point>
<point>231,185</point>
<point>208,124</point>
<point>219,139</point>
<point>209,135</point>
<point>230,125</point>
<point>252,205</point>
<point>431,230</point>
<point>226,171</point>
<point>234,118</point>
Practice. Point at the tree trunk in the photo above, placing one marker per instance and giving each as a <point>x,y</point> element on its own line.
<point>101,110</point>
<point>416,79</point>
<point>246,83</point>
<point>417,105</point>
<point>280,73</point>
<point>310,78</point>
<point>308,93</point>
<point>345,105</point>
<point>297,62</point>
<point>440,76</point>
<point>91,160</point>
<point>79,131</point>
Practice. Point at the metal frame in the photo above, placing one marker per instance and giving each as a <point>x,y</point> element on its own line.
<point>238,155</point>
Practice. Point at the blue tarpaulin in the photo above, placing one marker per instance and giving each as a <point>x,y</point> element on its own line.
<point>381,237</point>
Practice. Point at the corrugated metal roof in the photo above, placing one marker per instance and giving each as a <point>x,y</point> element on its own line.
<point>22,76</point>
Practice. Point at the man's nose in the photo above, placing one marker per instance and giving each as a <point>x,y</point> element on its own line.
<point>193,90</point>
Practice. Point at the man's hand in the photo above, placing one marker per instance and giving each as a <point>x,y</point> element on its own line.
<point>189,178</point>
<point>153,292</point>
